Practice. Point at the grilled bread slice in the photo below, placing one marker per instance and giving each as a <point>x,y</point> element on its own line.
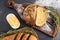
<point>21,34</point>
<point>25,37</point>
<point>32,37</point>
<point>9,37</point>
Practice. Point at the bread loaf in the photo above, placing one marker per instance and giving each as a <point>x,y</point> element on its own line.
<point>35,15</point>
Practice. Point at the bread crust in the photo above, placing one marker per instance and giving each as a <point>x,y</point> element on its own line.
<point>29,14</point>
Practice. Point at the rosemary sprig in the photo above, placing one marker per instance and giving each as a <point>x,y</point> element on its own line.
<point>24,30</point>
<point>53,14</point>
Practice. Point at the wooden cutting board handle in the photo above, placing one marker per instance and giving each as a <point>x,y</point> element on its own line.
<point>12,4</point>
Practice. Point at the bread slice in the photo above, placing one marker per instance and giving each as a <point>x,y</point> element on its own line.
<point>41,16</point>
<point>25,37</point>
<point>10,37</point>
<point>19,36</point>
<point>34,38</point>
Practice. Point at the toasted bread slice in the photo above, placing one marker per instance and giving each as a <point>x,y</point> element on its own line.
<point>34,38</point>
<point>10,37</point>
<point>19,36</point>
<point>25,37</point>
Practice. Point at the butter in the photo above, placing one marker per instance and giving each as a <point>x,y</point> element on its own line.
<point>13,21</point>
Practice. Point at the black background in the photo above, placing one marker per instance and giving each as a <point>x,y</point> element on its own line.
<point>4,26</point>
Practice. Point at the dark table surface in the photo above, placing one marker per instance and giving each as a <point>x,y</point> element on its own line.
<point>4,26</point>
